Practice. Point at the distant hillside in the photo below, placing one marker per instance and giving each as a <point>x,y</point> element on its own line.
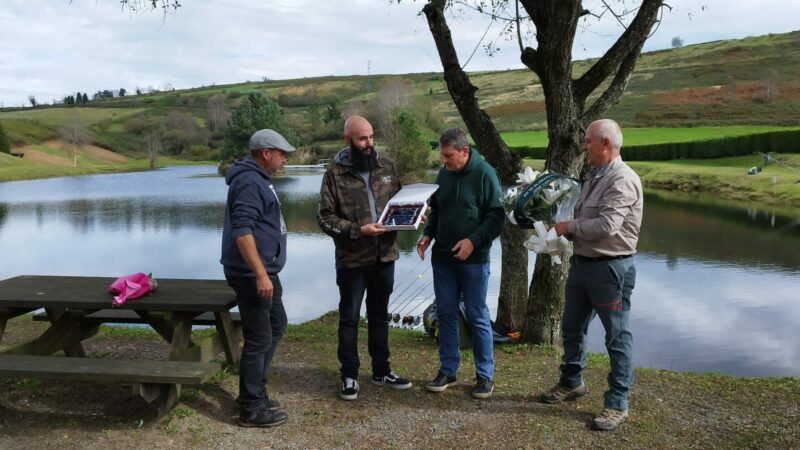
<point>747,81</point>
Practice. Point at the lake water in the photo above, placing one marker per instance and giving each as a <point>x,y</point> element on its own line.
<point>718,287</point>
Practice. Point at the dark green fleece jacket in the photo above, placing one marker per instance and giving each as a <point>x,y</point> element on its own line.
<point>466,205</point>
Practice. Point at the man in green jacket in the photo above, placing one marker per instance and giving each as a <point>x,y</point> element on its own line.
<point>466,216</point>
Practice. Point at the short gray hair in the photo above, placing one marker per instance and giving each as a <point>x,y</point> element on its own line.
<point>455,137</point>
<point>608,129</point>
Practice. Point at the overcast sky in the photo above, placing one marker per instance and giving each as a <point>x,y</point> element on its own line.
<point>51,48</point>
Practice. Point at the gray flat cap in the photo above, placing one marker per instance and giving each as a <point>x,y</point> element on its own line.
<point>269,139</point>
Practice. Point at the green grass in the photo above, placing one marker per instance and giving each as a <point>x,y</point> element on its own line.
<point>15,169</point>
<point>56,116</point>
<point>645,136</point>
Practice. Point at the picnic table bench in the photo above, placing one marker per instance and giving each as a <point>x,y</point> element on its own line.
<point>77,306</point>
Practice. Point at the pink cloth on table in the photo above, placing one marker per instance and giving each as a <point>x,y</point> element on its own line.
<point>129,287</point>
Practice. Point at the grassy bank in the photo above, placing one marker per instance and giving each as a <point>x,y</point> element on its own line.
<point>649,136</point>
<point>724,178</point>
<point>16,169</point>
<point>668,409</point>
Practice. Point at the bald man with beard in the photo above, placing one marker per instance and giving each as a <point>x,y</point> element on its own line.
<point>356,187</point>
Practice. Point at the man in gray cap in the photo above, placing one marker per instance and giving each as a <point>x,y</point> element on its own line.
<point>253,253</point>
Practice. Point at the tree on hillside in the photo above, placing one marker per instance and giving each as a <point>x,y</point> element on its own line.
<point>332,113</point>
<point>152,146</point>
<point>85,98</point>
<point>5,143</point>
<point>32,100</point>
<point>554,24</point>
<point>677,42</point>
<point>75,134</point>
<point>392,97</point>
<point>122,92</point>
<point>255,112</point>
<point>410,151</point>
<point>217,112</point>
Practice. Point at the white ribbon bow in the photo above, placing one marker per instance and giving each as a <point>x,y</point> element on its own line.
<point>547,241</point>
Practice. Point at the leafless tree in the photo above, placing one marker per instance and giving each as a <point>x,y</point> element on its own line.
<point>75,134</point>
<point>218,114</point>
<point>768,88</point>
<point>152,145</point>
<point>392,96</point>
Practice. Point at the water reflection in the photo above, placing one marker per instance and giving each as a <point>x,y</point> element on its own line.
<point>680,229</point>
<point>716,290</point>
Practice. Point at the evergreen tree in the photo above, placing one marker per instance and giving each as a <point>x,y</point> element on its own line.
<point>254,113</point>
<point>412,151</point>
<point>85,98</point>
<point>5,144</point>
<point>78,98</point>
<point>122,92</point>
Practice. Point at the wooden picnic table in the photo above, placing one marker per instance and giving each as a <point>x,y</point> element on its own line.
<point>170,310</point>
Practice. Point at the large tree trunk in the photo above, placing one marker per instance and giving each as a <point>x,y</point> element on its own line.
<point>552,61</point>
<point>514,273</point>
<point>512,302</point>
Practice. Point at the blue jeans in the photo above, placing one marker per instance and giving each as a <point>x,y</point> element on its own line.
<point>377,281</point>
<point>452,284</point>
<point>263,325</point>
<point>601,288</point>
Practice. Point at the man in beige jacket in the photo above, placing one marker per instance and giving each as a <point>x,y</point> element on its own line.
<point>605,231</point>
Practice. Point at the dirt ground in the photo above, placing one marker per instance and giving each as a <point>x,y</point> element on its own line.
<point>668,409</point>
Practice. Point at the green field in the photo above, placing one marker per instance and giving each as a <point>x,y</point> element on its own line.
<point>57,116</point>
<point>645,136</point>
<point>15,169</point>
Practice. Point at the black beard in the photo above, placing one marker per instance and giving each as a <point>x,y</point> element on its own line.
<point>361,161</point>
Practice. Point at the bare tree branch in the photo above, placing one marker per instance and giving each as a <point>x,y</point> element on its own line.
<point>519,31</point>
<point>615,89</point>
<point>633,36</point>
<point>461,89</point>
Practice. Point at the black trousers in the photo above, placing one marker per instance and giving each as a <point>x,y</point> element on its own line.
<point>378,282</point>
<point>263,325</point>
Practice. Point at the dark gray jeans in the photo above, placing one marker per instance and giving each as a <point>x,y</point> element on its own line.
<point>263,325</point>
<point>601,288</point>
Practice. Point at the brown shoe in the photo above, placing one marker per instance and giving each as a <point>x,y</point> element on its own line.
<point>560,394</point>
<point>609,419</point>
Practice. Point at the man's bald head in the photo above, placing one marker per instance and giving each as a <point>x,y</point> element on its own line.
<point>358,134</point>
<point>354,123</point>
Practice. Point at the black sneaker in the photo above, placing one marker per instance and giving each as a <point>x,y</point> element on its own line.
<point>349,389</point>
<point>483,388</point>
<point>392,380</point>
<point>440,383</point>
<point>262,418</point>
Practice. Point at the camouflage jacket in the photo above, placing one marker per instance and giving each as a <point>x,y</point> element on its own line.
<point>344,208</point>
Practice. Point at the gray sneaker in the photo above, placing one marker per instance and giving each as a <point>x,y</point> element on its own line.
<point>560,394</point>
<point>609,419</point>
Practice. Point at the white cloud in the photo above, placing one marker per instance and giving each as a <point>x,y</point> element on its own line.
<point>53,48</point>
